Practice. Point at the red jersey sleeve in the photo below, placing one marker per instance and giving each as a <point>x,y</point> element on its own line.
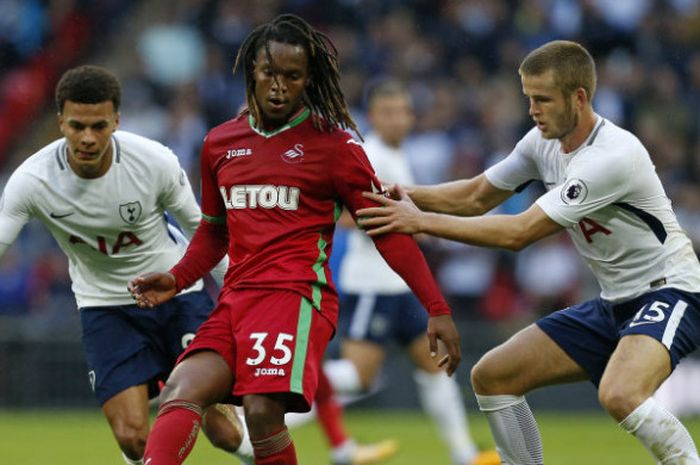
<point>353,174</point>
<point>210,242</point>
<point>213,208</point>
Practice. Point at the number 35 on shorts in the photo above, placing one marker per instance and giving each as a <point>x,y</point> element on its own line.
<point>280,354</point>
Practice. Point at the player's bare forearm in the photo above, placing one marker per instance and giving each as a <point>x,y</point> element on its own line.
<point>496,231</point>
<point>465,197</point>
<point>512,232</point>
<point>442,198</point>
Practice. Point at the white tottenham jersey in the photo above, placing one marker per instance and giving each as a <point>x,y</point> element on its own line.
<point>608,195</point>
<point>112,228</point>
<point>363,269</point>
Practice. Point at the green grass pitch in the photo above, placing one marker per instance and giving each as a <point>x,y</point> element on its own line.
<point>83,438</point>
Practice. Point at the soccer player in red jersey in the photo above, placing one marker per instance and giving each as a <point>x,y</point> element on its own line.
<point>274,180</point>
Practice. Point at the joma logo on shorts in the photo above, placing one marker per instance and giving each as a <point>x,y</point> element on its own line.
<point>270,372</point>
<point>260,196</point>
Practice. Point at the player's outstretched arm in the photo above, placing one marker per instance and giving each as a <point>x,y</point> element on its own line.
<point>151,289</point>
<point>397,214</point>
<point>464,197</point>
<point>442,327</point>
<point>512,232</point>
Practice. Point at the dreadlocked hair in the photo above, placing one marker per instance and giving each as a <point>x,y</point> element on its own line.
<point>323,94</point>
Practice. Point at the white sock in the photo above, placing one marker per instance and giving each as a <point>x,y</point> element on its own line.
<point>661,433</point>
<point>442,400</point>
<point>292,420</point>
<point>245,450</point>
<point>514,429</point>
<point>343,376</point>
<point>128,461</point>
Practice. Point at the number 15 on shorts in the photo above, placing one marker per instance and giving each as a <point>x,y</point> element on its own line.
<point>650,314</point>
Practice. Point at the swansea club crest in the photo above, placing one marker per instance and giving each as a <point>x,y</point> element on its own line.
<point>130,212</point>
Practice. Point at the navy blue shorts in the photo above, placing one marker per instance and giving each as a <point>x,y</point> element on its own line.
<point>380,318</point>
<point>127,346</point>
<point>589,332</point>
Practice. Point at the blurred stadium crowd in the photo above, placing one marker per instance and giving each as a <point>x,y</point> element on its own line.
<point>459,58</point>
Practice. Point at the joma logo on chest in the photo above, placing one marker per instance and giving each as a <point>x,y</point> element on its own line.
<point>232,153</point>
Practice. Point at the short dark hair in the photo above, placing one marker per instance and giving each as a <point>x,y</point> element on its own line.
<point>88,84</point>
<point>323,95</point>
<point>571,63</point>
<point>385,87</point>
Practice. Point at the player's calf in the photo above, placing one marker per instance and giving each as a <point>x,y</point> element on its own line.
<point>222,426</point>
<point>227,431</point>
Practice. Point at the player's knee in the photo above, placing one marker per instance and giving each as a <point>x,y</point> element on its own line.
<point>483,377</point>
<point>172,390</point>
<point>258,418</point>
<point>490,376</point>
<point>166,393</point>
<point>618,400</point>
<point>131,439</point>
<point>263,418</point>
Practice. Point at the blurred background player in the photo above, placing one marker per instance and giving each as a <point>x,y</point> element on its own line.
<point>272,181</point>
<point>376,305</point>
<point>103,195</point>
<point>344,449</point>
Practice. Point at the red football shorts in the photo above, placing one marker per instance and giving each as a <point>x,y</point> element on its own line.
<point>273,341</point>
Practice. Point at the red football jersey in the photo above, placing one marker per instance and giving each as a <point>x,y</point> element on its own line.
<point>281,194</point>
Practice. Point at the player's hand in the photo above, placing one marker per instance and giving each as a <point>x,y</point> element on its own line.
<point>391,189</point>
<point>443,328</point>
<point>151,289</point>
<point>396,214</point>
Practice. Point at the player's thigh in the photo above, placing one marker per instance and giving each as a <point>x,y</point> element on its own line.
<point>528,360</point>
<point>366,356</point>
<point>202,377</point>
<point>658,329</point>
<point>638,357</point>
<point>128,411</point>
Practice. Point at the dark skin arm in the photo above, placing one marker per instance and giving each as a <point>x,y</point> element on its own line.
<point>151,289</point>
<point>443,328</point>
